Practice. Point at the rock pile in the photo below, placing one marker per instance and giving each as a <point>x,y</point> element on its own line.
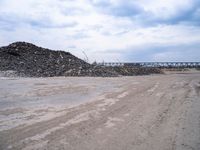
<point>25,59</point>
<point>32,61</point>
<point>132,71</point>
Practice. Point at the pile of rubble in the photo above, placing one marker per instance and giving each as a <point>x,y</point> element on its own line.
<point>132,71</point>
<point>29,60</point>
<point>25,59</point>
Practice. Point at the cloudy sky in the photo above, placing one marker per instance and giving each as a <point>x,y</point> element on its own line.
<point>106,30</point>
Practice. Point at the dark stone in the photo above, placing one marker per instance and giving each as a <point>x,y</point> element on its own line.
<point>29,60</point>
<point>26,59</point>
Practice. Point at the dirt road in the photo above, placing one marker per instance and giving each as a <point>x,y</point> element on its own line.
<point>158,112</point>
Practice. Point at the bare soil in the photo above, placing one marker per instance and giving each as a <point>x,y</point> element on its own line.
<point>157,112</point>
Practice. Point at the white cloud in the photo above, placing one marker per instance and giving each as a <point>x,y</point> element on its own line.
<point>77,26</point>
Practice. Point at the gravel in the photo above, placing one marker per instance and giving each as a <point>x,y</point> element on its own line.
<point>32,61</point>
<point>28,60</point>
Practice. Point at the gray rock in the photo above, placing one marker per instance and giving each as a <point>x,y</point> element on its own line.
<point>29,60</point>
<point>32,61</point>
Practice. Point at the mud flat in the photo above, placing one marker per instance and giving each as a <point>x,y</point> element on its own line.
<point>83,113</point>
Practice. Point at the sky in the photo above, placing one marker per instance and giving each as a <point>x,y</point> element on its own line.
<point>106,30</point>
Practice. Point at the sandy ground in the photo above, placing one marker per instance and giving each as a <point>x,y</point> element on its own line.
<point>157,112</point>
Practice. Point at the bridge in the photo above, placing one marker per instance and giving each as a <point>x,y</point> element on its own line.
<point>153,64</point>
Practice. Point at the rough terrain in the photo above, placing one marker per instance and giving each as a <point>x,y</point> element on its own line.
<point>157,112</point>
<point>28,60</point>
